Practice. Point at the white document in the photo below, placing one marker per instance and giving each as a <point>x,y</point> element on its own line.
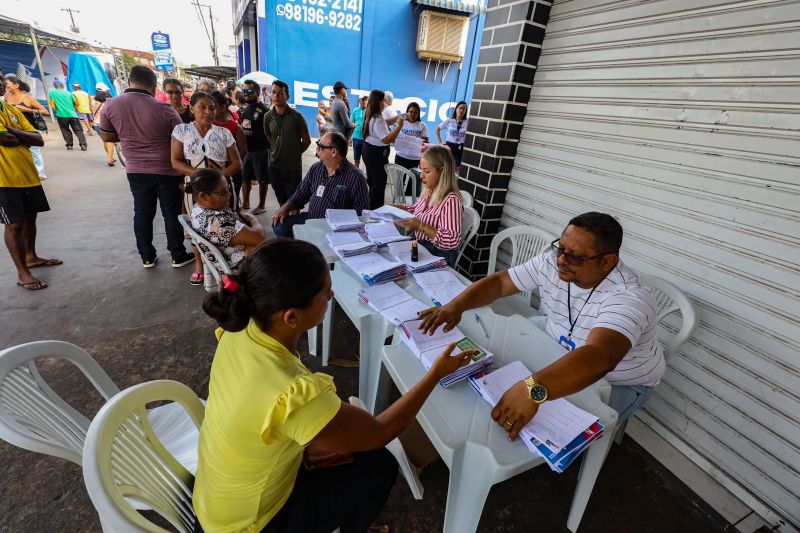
<point>389,213</point>
<point>421,342</point>
<point>370,264</point>
<point>401,251</point>
<point>408,144</point>
<point>354,248</point>
<point>557,422</point>
<point>386,295</point>
<point>404,311</point>
<point>343,219</point>
<point>441,286</point>
<point>336,238</point>
<point>385,232</point>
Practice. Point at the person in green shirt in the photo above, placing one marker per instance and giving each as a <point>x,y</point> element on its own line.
<point>64,103</point>
<point>357,116</point>
<point>287,133</point>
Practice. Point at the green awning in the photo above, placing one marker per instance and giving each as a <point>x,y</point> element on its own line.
<point>465,6</point>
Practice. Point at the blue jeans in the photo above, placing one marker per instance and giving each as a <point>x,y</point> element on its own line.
<point>284,229</point>
<point>149,190</point>
<point>449,255</point>
<point>627,399</point>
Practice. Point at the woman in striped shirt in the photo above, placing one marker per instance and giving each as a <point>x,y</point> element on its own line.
<point>438,211</point>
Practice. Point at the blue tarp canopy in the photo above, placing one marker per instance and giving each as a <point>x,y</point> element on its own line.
<point>87,70</point>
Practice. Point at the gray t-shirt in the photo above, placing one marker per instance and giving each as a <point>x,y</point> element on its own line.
<point>341,118</point>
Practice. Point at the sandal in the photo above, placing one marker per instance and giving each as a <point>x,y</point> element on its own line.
<point>197,278</point>
<point>33,285</point>
<point>45,263</point>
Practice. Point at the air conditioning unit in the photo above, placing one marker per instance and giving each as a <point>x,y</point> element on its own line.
<point>442,36</point>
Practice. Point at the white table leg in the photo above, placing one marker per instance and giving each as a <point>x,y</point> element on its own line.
<point>470,481</point>
<point>327,327</point>
<point>593,461</point>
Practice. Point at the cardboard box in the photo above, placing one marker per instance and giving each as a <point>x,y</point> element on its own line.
<point>418,447</point>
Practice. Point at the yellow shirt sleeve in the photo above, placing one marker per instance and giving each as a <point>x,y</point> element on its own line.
<point>302,410</point>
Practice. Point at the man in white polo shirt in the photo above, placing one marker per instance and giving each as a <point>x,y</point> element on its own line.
<point>594,306</point>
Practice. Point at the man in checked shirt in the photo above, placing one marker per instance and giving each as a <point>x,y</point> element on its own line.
<point>332,183</point>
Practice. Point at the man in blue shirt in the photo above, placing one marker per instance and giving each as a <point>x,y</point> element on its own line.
<point>357,116</point>
<point>332,183</point>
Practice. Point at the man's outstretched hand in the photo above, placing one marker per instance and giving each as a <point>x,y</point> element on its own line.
<point>447,315</point>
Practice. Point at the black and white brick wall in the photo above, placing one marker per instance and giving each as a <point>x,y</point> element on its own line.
<point>512,41</point>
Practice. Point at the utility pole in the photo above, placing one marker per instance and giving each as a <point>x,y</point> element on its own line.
<point>213,37</point>
<point>74,27</point>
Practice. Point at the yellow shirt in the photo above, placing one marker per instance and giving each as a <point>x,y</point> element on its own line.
<point>263,407</point>
<point>16,163</point>
<point>82,97</point>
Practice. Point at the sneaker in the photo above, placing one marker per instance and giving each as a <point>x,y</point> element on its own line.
<point>69,147</point>
<point>83,148</point>
<point>149,263</point>
<point>183,261</point>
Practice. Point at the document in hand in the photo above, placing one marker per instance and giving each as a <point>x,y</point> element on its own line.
<point>558,433</point>
<point>441,286</point>
<point>428,348</point>
<point>374,268</point>
<point>384,233</point>
<point>426,260</point>
<point>392,302</point>
<point>388,213</point>
<point>343,219</point>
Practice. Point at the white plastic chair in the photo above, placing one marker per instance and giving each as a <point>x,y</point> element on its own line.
<point>208,266</point>
<point>35,418</point>
<point>470,221</point>
<point>400,177</point>
<point>526,242</point>
<point>467,198</point>
<point>669,299</point>
<point>125,463</point>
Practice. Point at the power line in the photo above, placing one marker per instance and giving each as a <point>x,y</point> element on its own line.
<point>212,38</point>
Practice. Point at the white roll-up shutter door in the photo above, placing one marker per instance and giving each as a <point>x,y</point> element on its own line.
<point>683,120</point>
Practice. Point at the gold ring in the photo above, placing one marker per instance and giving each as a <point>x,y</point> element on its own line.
<point>507,423</point>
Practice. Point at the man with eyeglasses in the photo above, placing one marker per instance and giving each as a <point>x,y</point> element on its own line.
<point>255,165</point>
<point>332,183</point>
<point>596,308</point>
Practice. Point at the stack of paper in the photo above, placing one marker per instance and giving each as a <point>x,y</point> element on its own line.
<point>558,433</point>
<point>388,213</point>
<point>429,347</point>
<point>441,286</point>
<point>348,243</point>
<point>384,233</point>
<point>426,261</point>
<point>392,302</point>
<point>374,268</point>
<point>343,219</point>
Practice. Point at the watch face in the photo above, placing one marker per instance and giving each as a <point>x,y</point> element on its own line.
<point>538,393</point>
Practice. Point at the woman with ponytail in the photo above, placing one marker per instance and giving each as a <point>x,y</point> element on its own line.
<point>265,407</point>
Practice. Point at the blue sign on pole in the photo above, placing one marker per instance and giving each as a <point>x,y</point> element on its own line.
<point>162,51</point>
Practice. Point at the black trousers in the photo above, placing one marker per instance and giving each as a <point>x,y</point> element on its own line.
<point>284,182</point>
<point>65,124</point>
<point>348,496</point>
<point>375,157</point>
<point>148,191</point>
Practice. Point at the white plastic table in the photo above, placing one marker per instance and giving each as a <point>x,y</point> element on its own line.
<point>459,424</point>
<point>372,327</point>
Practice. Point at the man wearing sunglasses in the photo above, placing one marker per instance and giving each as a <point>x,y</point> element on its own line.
<point>256,161</point>
<point>331,183</point>
<point>593,305</point>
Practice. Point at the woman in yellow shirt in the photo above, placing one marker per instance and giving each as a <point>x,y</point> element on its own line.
<point>264,407</point>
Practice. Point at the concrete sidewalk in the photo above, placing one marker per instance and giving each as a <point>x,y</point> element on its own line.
<point>142,325</point>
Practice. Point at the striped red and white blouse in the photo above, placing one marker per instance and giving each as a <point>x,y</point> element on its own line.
<point>445,217</point>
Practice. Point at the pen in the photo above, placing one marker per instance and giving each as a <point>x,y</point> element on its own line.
<point>480,323</point>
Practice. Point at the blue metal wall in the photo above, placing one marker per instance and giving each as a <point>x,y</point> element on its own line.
<point>367,44</point>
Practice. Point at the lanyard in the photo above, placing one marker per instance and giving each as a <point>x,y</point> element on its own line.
<point>569,309</point>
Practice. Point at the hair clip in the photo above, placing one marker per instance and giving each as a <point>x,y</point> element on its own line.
<point>230,285</point>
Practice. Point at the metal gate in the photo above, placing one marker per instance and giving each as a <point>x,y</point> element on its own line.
<point>683,120</point>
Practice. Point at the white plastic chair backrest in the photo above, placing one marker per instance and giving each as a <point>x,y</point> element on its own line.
<point>32,415</point>
<point>124,463</point>
<point>526,242</point>
<point>670,299</point>
<point>399,177</point>
<point>470,221</point>
<point>467,198</point>
<point>209,266</point>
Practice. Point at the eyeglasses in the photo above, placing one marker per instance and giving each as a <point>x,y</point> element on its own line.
<point>248,91</point>
<point>321,146</point>
<point>226,192</point>
<point>572,259</point>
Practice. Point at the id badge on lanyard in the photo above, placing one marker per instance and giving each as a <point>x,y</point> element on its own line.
<point>567,343</point>
<point>320,190</point>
